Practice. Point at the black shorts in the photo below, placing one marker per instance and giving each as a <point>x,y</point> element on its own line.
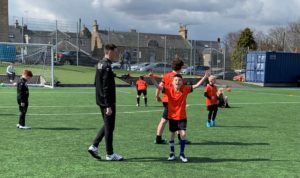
<point>175,125</point>
<point>139,92</point>
<point>212,107</point>
<point>165,113</point>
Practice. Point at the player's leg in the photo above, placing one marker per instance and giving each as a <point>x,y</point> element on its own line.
<point>138,97</point>
<point>226,102</point>
<point>172,128</point>
<point>214,115</point>
<point>210,112</point>
<point>22,116</point>
<point>159,131</point>
<point>182,131</point>
<point>145,97</point>
<point>161,126</point>
<point>109,126</point>
<point>93,149</point>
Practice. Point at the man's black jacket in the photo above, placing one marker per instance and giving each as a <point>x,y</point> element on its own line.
<point>105,84</point>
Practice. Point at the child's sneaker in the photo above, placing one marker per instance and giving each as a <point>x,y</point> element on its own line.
<point>207,124</point>
<point>212,123</point>
<point>114,157</point>
<point>171,157</point>
<point>23,127</point>
<point>94,152</point>
<point>183,158</point>
<point>137,105</point>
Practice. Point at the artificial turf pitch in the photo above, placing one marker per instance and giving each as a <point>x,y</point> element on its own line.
<point>257,137</point>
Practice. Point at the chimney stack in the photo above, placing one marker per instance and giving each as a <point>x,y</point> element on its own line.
<point>183,31</point>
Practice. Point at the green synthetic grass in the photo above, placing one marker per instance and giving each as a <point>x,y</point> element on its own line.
<point>257,137</point>
<point>66,74</point>
<point>70,74</point>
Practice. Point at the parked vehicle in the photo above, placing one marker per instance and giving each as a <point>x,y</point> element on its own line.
<point>70,58</point>
<point>228,75</point>
<point>116,65</point>
<point>194,70</point>
<point>136,67</point>
<point>240,77</point>
<point>156,67</point>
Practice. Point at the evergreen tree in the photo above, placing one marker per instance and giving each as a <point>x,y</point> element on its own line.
<point>245,43</point>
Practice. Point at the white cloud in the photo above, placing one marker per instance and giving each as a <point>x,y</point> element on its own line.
<point>205,18</point>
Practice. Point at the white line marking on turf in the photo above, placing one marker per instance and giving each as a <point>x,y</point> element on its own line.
<point>123,92</point>
<point>70,106</point>
<point>98,113</point>
<point>188,105</point>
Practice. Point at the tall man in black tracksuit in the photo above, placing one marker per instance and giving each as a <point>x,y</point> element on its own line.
<point>22,98</point>
<point>106,100</point>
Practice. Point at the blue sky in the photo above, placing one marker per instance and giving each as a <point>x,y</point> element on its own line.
<point>205,19</point>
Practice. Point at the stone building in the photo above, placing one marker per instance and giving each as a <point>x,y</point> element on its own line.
<point>3,20</point>
<point>147,47</point>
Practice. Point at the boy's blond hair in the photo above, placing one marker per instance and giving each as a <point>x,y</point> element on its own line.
<point>212,77</point>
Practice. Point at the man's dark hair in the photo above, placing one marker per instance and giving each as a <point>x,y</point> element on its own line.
<point>178,75</point>
<point>142,77</point>
<point>177,64</point>
<point>109,47</point>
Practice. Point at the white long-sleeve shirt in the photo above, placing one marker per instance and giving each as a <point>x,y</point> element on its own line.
<point>10,70</point>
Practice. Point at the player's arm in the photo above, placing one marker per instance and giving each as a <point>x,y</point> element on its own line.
<point>155,82</point>
<point>157,92</point>
<point>201,81</point>
<point>107,86</point>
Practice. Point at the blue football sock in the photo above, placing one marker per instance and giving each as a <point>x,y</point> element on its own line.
<point>182,146</point>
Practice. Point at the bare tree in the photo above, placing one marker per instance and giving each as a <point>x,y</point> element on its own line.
<point>231,40</point>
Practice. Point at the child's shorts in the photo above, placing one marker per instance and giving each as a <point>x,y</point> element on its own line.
<point>175,125</point>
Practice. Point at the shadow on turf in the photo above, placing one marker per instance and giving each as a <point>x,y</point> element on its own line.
<point>62,128</point>
<point>193,160</point>
<point>241,126</point>
<point>210,160</point>
<point>227,143</point>
<point>8,114</point>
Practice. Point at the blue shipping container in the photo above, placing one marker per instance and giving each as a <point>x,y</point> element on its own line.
<point>273,67</point>
<point>8,52</point>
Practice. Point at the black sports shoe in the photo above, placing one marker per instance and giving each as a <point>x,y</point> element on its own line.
<point>162,141</point>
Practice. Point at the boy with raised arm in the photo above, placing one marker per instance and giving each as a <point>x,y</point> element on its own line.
<point>177,94</point>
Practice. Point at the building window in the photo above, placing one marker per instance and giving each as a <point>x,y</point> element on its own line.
<point>134,53</point>
<point>153,43</point>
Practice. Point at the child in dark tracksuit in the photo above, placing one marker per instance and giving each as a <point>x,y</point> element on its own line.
<point>22,98</point>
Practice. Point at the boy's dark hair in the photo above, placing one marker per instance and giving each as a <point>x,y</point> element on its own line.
<point>178,75</point>
<point>142,77</point>
<point>108,47</point>
<point>177,64</point>
<point>27,73</point>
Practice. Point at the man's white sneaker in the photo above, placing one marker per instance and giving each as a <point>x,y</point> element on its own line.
<point>183,158</point>
<point>171,157</point>
<point>23,127</point>
<point>94,152</point>
<point>114,157</point>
